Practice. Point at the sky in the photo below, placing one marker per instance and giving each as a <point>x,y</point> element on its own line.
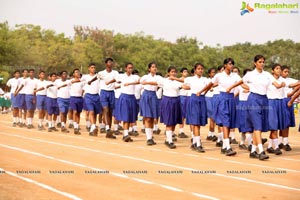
<point>212,22</point>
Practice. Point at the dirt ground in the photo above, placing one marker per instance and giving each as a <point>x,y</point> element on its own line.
<point>42,165</point>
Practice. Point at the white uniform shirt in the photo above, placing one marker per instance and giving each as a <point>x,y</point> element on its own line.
<point>187,80</point>
<point>258,82</point>
<point>106,77</point>
<point>13,84</point>
<point>171,88</point>
<point>210,92</point>
<point>183,92</point>
<point>243,96</point>
<point>41,84</point>
<point>29,85</point>
<point>76,89</point>
<point>94,87</point>
<point>273,92</point>
<point>124,78</point>
<point>63,92</point>
<point>196,84</point>
<point>287,89</point>
<point>52,91</point>
<point>150,78</point>
<point>224,80</point>
<point>20,81</point>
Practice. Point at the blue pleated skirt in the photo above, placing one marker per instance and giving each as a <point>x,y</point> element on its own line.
<point>126,108</point>
<point>170,111</point>
<point>149,104</point>
<point>196,113</point>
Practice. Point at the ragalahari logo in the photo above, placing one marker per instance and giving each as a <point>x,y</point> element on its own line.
<point>246,8</point>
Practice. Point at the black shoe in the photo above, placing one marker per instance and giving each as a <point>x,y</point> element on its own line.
<point>287,147</point>
<point>219,144</point>
<point>243,147</point>
<point>64,130</point>
<point>120,128</point>
<point>264,140</point>
<point>71,126</point>
<point>54,129</point>
<point>76,131</point>
<point>263,156</point>
<point>117,132</point>
<point>170,145</point>
<point>277,151</point>
<point>151,142</point>
<point>30,126</point>
<point>87,128</point>
<point>192,140</point>
<point>233,141</point>
<point>174,138</point>
<point>14,124</point>
<point>254,155</point>
<point>58,125</point>
<point>194,146</point>
<point>200,149</point>
<point>110,135</point>
<point>250,147</point>
<point>214,138</point>
<point>127,138</point>
<point>223,151</point>
<point>92,134</point>
<point>182,135</point>
<point>156,132</point>
<point>102,130</point>
<point>280,146</point>
<point>143,130</point>
<point>230,152</point>
<point>209,138</point>
<point>133,133</point>
<point>270,150</point>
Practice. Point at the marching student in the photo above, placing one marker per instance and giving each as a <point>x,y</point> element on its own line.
<point>209,106</point>
<point>258,81</point>
<point>76,99</point>
<point>20,98</point>
<point>149,101</point>
<point>115,113</point>
<point>91,97</point>
<point>170,110</point>
<point>288,92</point>
<point>51,103</point>
<point>226,106</point>
<point>186,80</point>
<point>63,99</point>
<point>196,113</point>
<point>277,117</point>
<point>28,85</point>
<point>41,98</point>
<point>13,84</point>
<point>159,93</point>
<point>127,109</point>
<point>183,98</point>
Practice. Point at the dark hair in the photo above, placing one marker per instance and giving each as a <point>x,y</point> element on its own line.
<point>23,70</point>
<point>52,74</point>
<point>42,72</point>
<point>171,68</point>
<point>228,60</point>
<point>275,65</point>
<point>31,70</point>
<point>197,64</point>
<point>120,72</point>
<point>64,71</point>
<point>150,64</point>
<point>75,70</point>
<point>129,63</point>
<point>192,71</point>
<point>245,71</point>
<point>257,57</point>
<point>283,67</point>
<point>236,68</point>
<point>108,59</point>
<point>16,71</point>
<point>135,71</point>
<point>92,64</point>
<point>159,74</point>
<point>183,69</point>
<point>220,67</point>
<point>211,69</point>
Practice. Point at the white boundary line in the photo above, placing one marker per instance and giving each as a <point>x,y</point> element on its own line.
<point>47,187</point>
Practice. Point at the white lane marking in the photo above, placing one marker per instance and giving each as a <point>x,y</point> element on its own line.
<point>47,187</point>
<point>149,161</point>
<point>97,169</point>
<point>200,195</point>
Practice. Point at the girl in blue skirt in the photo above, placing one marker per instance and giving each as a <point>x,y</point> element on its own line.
<point>149,101</point>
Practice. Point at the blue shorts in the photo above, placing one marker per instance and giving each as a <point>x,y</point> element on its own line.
<point>41,102</point>
<point>107,99</point>
<point>92,102</point>
<point>14,101</point>
<point>76,103</point>
<point>63,105</point>
<point>21,101</point>
<point>52,106</point>
<point>29,102</point>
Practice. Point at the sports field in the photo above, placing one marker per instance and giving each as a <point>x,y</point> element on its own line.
<point>42,165</point>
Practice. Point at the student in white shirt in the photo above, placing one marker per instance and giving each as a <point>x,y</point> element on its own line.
<point>288,92</point>
<point>159,94</point>
<point>13,84</point>
<point>63,98</point>
<point>41,98</point>
<point>196,113</point>
<point>20,97</point>
<point>51,102</point>
<point>258,81</point>
<point>28,85</point>
<point>149,101</point>
<point>127,109</point>
<point>115,113</point>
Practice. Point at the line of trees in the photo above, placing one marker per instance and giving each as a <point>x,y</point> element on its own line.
<point>30,46</point>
